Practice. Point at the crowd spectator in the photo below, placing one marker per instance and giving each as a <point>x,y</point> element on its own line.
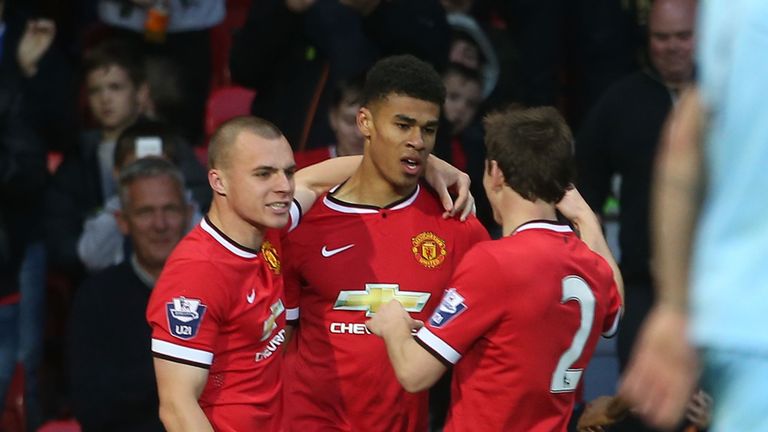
<point>110,362</point>
<point>619,138</point>
<point>342,117</point>
<point>292,51</point>
<point>181,44</point>
<point>101,243</point>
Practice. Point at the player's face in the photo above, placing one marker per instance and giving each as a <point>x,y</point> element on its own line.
<point>258,180</point>
<point>462,98</point>
<point>156,217</point>
<point>113,98</point>
<point>402,133</point>
<point>465,53</point>
<point>343,119</point>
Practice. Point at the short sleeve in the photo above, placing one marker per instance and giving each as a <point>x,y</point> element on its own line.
<point>467,310</point>
<point>291,282</point>
<point>474,233</point>
<point>614,311</point>
<point>185,313</point>
<point>295,213</point>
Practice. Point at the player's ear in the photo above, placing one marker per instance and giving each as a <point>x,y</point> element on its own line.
<point>217,182</point>
<point>497,177</point>
<point>365,121</point>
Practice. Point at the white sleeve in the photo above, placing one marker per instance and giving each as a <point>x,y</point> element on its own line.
<point>101,243</point>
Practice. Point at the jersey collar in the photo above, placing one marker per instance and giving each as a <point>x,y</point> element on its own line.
<point>225,241</point>
<point>345,207</point>
<point>545,225</point>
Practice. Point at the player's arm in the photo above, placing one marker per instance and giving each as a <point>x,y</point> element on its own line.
<point>661,376</point>
<point>415,367</point>
<point>179,387</point>
<point>315,180</point>
<point>678,193</point>
<point>575,208</point>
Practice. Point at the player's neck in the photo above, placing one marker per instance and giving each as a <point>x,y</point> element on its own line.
<point>368,187</point>
<point>234,227</point>
<point>518,211</point>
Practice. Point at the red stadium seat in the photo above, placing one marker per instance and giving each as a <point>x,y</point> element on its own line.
<point>70,425</point>
<point>225,103</point>
<point>12,418</point>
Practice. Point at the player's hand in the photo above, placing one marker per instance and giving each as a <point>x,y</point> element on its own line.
<point>575,208</point>
<point>441,176</point>
<point>37,38</point>
<point>392,319</point>
<point>699,409</point>
<point>663,369</point>
<point>598,414</point>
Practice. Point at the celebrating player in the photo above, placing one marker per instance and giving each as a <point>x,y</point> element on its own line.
<point>217,312</point>
<point>380,235</point>
<point>522,315</point>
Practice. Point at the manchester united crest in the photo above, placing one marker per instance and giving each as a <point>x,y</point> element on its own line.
<point>270,256</point>
<point>428,249</point>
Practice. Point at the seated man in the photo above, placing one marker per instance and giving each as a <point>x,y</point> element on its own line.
<point>113,382</point>
<point>101,244</point>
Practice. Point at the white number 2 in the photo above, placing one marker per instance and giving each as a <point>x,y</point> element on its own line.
<point>565,379</point>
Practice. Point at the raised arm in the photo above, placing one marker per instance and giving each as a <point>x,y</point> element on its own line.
<point>315,180</point>
<point>576,209</point>
<point>179,387</point>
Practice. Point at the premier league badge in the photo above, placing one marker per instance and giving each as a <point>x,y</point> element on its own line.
<point>451,306</point>
<point>184,317</point>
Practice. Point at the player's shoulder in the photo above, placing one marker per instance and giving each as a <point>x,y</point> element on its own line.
<point>193,245</point>
<point>428,199</point>
<point>196,261</point>
<point>430,203</point>
<point>486,251</point>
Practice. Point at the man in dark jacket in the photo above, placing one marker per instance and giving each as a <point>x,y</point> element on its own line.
<point>619,138</point>
<point>113,381</point>
<point>22,176</point>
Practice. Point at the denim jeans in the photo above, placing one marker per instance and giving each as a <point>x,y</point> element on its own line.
<point>9,341</point>
<point>31,323</point>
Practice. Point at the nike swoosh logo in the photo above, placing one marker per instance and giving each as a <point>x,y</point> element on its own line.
<point>251,297</point>
<point>331,252</point>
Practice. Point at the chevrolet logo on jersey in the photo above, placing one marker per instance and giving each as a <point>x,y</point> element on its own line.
<point>377,294</point>
<point>271,323</point>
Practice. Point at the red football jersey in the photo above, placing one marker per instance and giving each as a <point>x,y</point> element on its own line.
<point>520,321</point>
<point>218,305</point>
<point>342,262</point>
